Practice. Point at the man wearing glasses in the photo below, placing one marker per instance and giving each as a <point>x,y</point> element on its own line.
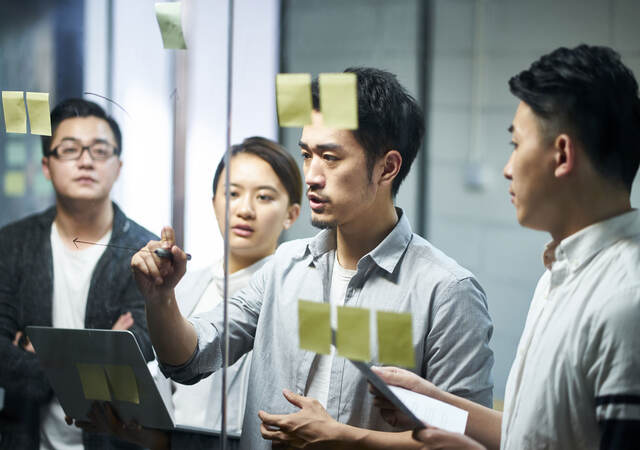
<point>45,279</point>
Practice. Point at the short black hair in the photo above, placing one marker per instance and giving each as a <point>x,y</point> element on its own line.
<point>589,93</point>
<point>78,107</point>
<point>282,163</point>
<point>388,118</point>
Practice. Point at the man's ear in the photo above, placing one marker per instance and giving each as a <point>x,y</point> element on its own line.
<point>45,168</point>
<point>391,164</point>
<point>292,215</point>
<point>564,155</point>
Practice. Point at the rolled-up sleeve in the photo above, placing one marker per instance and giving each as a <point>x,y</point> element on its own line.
<point>459,358</point>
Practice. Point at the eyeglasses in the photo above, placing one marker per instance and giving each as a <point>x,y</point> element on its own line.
<point>70,150</point>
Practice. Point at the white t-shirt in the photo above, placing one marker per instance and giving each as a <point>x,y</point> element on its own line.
<point>320,377</point>
<point>72,270</point>
<point>578,362</point>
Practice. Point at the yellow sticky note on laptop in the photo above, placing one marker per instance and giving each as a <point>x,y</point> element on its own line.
<point>15,183</point>
<point>314,326</point>
<point>39,114</point>
<point>169,16</point>
<point>352,339</point>
<point>293,99</point>
<point>123,383</point>
<point>339,100</point>
<point>395,339</point>
<point>15,114</point>
<point>94,382</point>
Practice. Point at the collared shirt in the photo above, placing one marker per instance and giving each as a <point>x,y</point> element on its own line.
<point>404,273</point>
<point>578,360</point>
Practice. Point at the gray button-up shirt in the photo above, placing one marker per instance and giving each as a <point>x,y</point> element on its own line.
<point>404,273</point>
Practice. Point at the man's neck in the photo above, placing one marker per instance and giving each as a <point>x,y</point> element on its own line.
<point>584,208</point>
<point>356,239</point>
<point>88,221</point>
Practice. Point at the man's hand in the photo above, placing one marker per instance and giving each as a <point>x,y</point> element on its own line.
<point>405,379</point>
<point>23,341</point>
<point>157,277</point>
<point>124,322</point>
<point>103,419</point>
<point>312,424</point>
<point>437,439</point>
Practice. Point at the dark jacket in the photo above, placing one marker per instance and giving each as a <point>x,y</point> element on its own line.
<point>26,296</point>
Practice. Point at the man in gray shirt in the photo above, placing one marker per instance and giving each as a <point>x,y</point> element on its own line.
<point>366,247</point>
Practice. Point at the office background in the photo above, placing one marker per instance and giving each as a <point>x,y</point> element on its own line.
<point>454,56</point>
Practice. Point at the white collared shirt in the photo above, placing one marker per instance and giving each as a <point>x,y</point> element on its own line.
<point>578,360</point>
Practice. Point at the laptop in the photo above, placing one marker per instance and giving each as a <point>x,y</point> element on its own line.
<point>86,365</point>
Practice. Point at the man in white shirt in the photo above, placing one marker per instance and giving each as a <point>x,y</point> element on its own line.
<point>45,279</point>
<point>575,381</point>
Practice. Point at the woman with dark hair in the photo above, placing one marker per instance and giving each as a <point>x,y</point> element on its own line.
<point>265,191</point>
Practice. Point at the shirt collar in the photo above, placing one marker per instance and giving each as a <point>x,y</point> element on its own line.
<point>580,247</point>
<point>387,253</point>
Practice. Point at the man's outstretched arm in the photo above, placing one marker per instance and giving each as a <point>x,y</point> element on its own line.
<point>157,278</point>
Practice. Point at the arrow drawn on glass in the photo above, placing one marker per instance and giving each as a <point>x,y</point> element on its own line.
<point>161,252</point>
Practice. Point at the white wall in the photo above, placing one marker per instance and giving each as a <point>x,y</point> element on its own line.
<point>255,64</point>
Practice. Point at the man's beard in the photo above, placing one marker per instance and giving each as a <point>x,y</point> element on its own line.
<point>323,224</point>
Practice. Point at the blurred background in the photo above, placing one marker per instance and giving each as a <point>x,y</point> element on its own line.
<point>454,56</point>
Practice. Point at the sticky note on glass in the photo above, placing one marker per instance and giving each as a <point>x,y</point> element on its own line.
<point>94,382</point>
<point>123,383</point>
<point>15,152</point>
<point>314,326</point>
<point>352,339</point>
<point>39,114</point>
<point>169,16</point>
<point>15,114</point>
<point>15,183</point>
<point>339,100</point>
<point>293,99</point>
<point>395,339</point>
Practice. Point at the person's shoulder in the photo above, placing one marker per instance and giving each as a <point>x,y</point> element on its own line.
<point>130,229</point>
<point>292,248</point>
<point>423,256</point>
<point>27,225</point>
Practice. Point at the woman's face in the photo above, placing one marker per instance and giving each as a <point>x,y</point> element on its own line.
<point>259,207</point>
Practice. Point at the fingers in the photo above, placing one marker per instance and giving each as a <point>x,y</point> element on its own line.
<point>294,399</point>
<point>146,263</point>
<point>273,420</point>
<point>124,322</point>
<point>404,378</point>
<point>168,237</point>
<point>16,341</point>
<point>68,420</point>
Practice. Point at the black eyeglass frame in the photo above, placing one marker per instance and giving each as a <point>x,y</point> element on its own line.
<point>54,151</point>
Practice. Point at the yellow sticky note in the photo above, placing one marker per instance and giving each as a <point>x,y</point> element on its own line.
<point>395,339</point>
<point>293,98</point>
<point>353,333</point>
<point>339,100</point>
<point>39,114</point>
<point>123,383</point>
<point>169,16</point>
<point>94,382</point>
<point>15,183</point>
<point>314,326</point>
<point>15,115</point>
